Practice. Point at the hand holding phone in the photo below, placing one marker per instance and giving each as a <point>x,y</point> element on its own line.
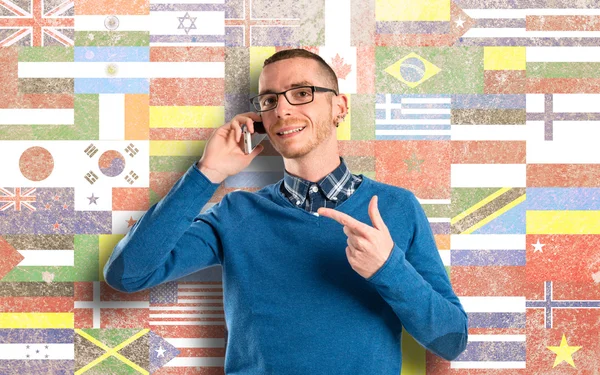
<point>221,157</point>
<point>252,140</point>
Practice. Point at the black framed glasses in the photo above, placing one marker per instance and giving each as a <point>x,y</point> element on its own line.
<point>295,96</point>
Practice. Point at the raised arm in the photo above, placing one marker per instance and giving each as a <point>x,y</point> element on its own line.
<point>172,239</point>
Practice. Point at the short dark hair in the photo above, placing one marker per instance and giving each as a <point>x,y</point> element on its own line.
<point>328,72</point>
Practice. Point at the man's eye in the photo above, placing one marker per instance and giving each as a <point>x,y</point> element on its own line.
<point>303,94</point>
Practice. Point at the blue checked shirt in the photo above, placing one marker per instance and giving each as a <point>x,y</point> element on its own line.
<point>330,191</point>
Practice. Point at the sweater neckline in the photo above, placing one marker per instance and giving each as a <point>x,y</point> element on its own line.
<point>360,190</point>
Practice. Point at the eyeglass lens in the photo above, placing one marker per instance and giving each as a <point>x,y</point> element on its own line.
<point>300,95</point>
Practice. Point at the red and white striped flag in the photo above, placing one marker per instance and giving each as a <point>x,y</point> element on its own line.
<point>189,316</point>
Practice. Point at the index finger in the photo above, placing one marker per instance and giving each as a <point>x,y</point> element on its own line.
<point>248,119</point>
<point>251,114</point>
<point>344,219</point>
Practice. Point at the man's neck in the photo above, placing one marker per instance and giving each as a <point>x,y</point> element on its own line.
<point>312,170</point>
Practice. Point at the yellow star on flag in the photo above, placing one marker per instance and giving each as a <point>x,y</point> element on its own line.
<point>563,352</point>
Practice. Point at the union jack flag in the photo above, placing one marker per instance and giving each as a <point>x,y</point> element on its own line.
<point>36,23</point>
<point>16,199</point>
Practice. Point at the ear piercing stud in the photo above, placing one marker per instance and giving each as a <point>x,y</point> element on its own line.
<point>340,118</point>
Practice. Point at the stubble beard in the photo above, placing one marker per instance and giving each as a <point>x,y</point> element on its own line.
<point>296,148</point>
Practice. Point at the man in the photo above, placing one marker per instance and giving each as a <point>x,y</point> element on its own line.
<point>318,276</point>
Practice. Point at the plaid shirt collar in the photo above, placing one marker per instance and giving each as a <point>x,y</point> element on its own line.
<point>340,180</point>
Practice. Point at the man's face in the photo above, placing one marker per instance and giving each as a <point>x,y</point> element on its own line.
<point>316,116</point>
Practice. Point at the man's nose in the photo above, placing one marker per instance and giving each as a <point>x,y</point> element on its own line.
<point>283,106</point>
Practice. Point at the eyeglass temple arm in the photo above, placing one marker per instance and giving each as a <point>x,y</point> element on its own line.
<point>324,89</point>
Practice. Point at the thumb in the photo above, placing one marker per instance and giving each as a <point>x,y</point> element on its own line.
<point>376,218</point>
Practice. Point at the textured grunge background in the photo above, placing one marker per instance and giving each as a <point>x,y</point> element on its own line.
<point>471,104</point>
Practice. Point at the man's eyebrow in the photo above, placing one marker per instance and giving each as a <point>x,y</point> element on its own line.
<point>295,84</point>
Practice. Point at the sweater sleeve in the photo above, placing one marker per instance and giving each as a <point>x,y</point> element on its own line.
<point>417,287</point>
<point>171,240</point>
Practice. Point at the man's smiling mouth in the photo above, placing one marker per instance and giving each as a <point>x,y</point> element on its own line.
<point>297,130</point>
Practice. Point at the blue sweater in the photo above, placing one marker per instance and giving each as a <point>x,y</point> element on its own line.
<point>292,302</point>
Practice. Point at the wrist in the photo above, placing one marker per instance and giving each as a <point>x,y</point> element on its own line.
<point>214,176</point>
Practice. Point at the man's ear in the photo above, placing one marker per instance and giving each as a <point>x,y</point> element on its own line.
<point>340,105</point>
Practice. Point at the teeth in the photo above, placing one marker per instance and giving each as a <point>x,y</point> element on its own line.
<point>291,131</point>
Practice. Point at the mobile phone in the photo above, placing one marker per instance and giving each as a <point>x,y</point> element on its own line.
<point>252,140</point>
